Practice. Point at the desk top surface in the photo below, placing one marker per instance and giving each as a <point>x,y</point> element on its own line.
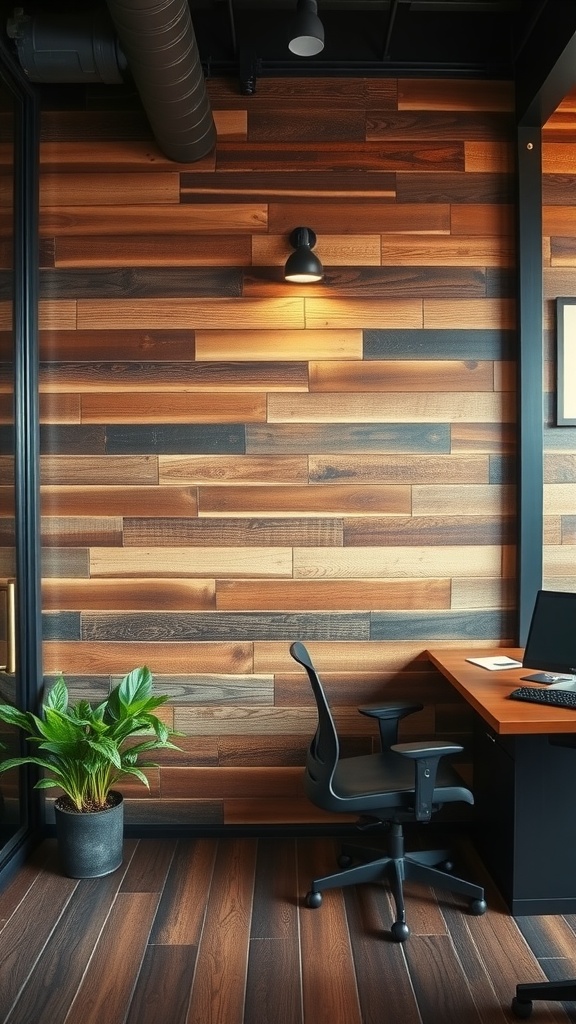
<point>487,692</point>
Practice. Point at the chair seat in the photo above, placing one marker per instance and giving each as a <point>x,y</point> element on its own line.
<point>367,783</point>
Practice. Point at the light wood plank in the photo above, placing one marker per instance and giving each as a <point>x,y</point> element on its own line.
<point>392,562</point>
<point>278,344</point>
<point>193,407</point>
<point>104,189</point>
<point>180,563</point>
<point>464,499</point>
<point>78,657</point>
<point>414,469</point>
<point>240,469</point>
<point>470,313</point>
<point>400,375</point>
<point>322,595</point>
<point>231,125</point>
<point>487,157</point>
<point>391,408</point>
<point>241,314</point>
<point>454,250</point>
<point>447,94</point>
<point>363,313</point>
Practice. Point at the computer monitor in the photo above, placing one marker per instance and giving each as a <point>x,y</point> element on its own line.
<point>551,642</point>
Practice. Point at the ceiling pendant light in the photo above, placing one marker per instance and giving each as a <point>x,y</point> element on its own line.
<point>307,35</point>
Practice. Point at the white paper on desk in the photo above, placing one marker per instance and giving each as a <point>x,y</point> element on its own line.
<point>496,663</point>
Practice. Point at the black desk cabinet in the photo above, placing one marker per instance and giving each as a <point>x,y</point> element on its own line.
<point>525,818</point>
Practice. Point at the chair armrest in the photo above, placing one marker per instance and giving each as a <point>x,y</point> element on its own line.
<point>427,756</point>
<point>389,716</point>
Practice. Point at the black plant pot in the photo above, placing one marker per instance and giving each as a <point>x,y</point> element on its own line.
<point>90,845</point>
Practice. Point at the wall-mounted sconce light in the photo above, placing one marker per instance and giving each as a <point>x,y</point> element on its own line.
<point>303,265</point>
<point>307,35</point>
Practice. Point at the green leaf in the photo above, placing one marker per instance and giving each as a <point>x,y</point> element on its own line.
<point>58,696</point>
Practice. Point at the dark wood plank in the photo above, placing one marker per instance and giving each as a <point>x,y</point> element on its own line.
<point>429,530</point>
<point>180,532</point>
<point>180,913</point>
<point>220,977</point>
<point>376,960</point>
<point>95,346</point>
<point>233,186</point>
<point>170,626</point>
<point>163,986</point>
<point>138,282</point>
<point>415,124</point>
<point>466,187</point>
<point>273,979</point>
<point>277,500</point>
<point>129,924</point>
<point>374,282</point>
<point>25,934</point>
<point>355,437</point>
<point>290,124</point>
<point>66,954</point>
<point>372,156</point>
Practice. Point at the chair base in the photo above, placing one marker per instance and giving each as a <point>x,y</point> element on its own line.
<point>395,867</point>
<point>563,991</point>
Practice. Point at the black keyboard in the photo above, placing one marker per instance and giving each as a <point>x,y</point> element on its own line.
<point>553,698</point>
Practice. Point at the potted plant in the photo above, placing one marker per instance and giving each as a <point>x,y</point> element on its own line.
<point>85,751</point>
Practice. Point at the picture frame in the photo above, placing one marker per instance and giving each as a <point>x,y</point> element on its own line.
<point>566,362</point>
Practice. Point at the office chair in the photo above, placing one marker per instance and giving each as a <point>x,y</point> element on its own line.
<point>404,782</point>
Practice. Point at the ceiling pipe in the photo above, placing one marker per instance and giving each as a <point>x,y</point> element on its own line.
<point>158,41</point>
<point>154,39</point>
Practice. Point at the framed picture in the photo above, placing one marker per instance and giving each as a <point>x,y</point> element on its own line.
<point>566,362</point>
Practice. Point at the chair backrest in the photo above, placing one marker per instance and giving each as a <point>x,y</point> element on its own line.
<point>324,749</point>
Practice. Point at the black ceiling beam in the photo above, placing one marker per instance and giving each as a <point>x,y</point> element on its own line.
<point>545,69</point>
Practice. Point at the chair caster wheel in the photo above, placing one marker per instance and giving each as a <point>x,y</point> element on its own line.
<point>521,1007</point>
<point>478,907</point>
<point>399,931</point>
<point>313,899</point>
<point>344,860</point>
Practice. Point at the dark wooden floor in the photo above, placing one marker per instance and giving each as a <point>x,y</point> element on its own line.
<point>215,931</point>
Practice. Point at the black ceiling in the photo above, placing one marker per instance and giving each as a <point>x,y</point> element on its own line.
<point>466,38</point>
<point>475,38</point>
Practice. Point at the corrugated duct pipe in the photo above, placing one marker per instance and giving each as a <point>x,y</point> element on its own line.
<point>158,41</point>
<point>155,38</point>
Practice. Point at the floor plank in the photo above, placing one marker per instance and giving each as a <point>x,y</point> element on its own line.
<point>216,931</point>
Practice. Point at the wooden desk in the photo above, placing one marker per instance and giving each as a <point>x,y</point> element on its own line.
<point>524,785</point>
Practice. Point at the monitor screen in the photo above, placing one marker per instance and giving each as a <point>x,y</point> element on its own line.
<point>551,642</point>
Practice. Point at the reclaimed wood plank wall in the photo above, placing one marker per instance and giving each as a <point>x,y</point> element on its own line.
<point>230,462</point>
<point>559,256</point>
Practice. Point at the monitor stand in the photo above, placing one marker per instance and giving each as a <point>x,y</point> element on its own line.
<point>552,679</point>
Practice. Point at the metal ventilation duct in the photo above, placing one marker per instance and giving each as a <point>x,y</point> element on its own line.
<point>158,44</point>
<point>158,41</point>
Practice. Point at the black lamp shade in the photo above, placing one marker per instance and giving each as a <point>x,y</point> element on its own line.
<point>303,266</point>
<point>307,35</point>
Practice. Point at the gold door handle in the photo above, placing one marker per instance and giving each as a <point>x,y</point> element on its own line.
<point>10,589</point>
